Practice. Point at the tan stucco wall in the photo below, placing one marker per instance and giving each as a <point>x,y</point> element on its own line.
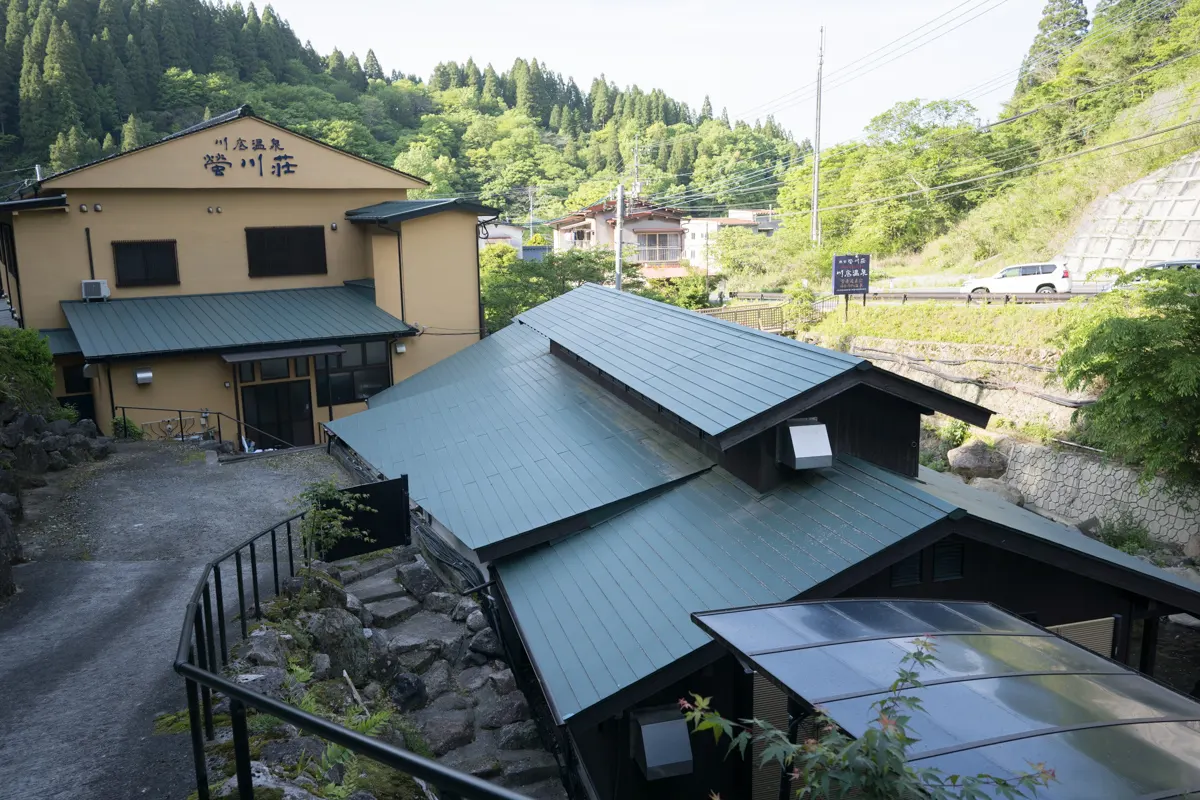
<point>385,269</point>
<point>190,383</point>
<point>441,288</point>
<point>211,248</point>
<point>180,163</point>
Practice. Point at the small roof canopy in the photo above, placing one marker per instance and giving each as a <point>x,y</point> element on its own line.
<point>234,320</point>
<point>1003,693</point>
<point>393,211</point>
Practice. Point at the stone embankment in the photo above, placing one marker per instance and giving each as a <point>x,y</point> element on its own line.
<point>29,448</point>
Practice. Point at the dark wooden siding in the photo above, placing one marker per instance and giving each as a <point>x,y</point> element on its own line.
<point>1048,594</point>
<point>873,425</point>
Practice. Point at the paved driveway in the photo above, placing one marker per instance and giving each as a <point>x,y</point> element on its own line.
<point>86,646</point>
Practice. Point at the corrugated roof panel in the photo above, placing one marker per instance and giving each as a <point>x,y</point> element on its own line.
<point>503,438</point>
<point>399,210</point>
<point>205,322</point>
<point>705,544</point>
<point>62,342</point>
<point>712,373</point>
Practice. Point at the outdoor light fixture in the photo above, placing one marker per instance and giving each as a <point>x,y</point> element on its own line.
<point>97,208</point>
<point>218,209</point>
<point>143,376</point>
<point>227,384</point>
<point>83,207</point>
<point>401,347</point>
<point>210,209</point>
<point>333,226</point>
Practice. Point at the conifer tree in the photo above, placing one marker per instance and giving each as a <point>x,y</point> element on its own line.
<point>372,68</point>
<point>272,43</point>
<point>1063,25</point>
<point>555,118</point>
<point>612,148</point>
<point>662,153</point>
<point>110,16</point>
<point>37,126</point>
<point>131,135</point>
<point>571,151</point>
<point>135,68</point>
<point>248,43</point>
<point>472,77</point>
<point>151,64</point>
<point>358,78</point>
<point>109,146</point>
<point>68,89</point>
<point>491,85</point>
<point>725,122</point>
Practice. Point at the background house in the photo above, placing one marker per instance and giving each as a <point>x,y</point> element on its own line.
<point>501,232</point>
<point>653,235</point>
<point>240,269</point>
<point>700,233</point>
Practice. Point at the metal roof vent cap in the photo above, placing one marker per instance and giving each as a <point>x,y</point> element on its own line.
<point>660,742</point>
<point>804,444</point>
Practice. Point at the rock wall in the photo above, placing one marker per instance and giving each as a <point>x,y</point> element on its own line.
<point>1156,218</point>
<point>1077,486</point>
<point>1014,382</point>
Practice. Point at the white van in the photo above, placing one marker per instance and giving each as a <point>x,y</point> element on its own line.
<point>1024,279</point>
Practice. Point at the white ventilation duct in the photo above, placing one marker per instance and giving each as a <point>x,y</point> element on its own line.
<point>804,444</point>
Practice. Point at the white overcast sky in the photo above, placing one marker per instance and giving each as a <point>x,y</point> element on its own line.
<point>745,55</point>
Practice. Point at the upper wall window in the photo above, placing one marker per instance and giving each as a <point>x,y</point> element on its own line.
<point>146,263</point>
<point>274,252</point>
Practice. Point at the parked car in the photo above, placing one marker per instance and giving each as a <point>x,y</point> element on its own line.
<point>1024,279</point>
<point>1186,263</point>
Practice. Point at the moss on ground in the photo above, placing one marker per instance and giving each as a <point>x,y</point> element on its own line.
<point>384,782</point>
<point>179,722</point>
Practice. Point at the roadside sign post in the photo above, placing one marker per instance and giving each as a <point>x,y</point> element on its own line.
<point>851,275</point>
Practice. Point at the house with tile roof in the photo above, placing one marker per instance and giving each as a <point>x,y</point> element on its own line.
<point>238,279</point>
<point>610,466</point>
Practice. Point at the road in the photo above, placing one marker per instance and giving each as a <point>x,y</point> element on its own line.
<point>86,646</point>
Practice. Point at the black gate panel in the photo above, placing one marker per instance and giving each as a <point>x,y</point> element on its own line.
<point>389,525</point>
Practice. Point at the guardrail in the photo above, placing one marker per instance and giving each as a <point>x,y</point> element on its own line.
<point>203,650</point>
<point>953,297</point>
<point>196,425</point>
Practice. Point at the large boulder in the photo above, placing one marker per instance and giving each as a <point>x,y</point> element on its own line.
<point>10,504</point>
<point>56,462</point>
<point>999,487</point>
<point>504,709</point>
<point>519,736</point>
<point>464,609</point>
<point>408,692</point>
<point>23,426</point>
<point>30,456</point>
<point>101,447</point>
<point>476,621</point>
<point>10,482</point>
<point>437,679</point>
<point>338,633</point>
<point>52,441</point>
<point>271,681</point>
<point>441,602</point>
<point>86,428</point>
<point>8,411</point>
<point>418,578</point>
<point>977,459</point>
<point>424,638</point>
<point>59,427</point>
<point>262,647</point>
<point>262,778</point>
<point>487,643</point>
<point>444,731</point>
<point>10,550</point>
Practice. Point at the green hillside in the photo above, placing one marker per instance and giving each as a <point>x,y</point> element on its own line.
<point>930,189</point>
<point>79,79</point>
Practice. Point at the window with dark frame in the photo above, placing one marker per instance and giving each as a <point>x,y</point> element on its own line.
<point>273,369</point>
<point>246,372</point>
<point>275,252</point>
<point>948,561</point>
<point>148,263</point>
<point>300,366</point>
<point>354,375</point>
<point>74,381</point>
<point>907,572</point>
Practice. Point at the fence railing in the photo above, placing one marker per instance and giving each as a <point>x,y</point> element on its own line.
<point>948,297</point>
<point>196,425</point>
<point>204,649</point>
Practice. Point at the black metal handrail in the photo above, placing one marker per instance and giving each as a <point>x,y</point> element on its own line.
<point>121,412</point>
<point>196,660</point>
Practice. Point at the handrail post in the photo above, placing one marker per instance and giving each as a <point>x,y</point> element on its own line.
<point>254,581</point>
<point>237,557</point>
<point>220,614</point>
<point>198,758</point>
<point>291,559</point>
<point>181,425</point>
<point>219,439</point>
<point>205,692</point>
<point>275,561</point>
<point>241,749</point>
<point>209,644</point>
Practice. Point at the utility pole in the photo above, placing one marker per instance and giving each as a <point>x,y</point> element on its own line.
<point>620,220</point>
<point>816,220</point>
<point>637,161</point>
<point>530,188</point>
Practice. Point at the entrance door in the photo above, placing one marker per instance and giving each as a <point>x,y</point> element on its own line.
<point>278,414</point>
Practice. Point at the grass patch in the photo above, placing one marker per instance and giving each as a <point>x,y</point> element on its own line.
<point>193,457</point>
<point>1019,325</point>
<point>385,783</point>
<point>1124,533</point>
<point>413,741</point>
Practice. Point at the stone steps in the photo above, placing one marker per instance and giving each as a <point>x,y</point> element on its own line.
<point>380,586</point>
<point>393,611</point>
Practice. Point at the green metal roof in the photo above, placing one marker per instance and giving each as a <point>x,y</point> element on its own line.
<point>484,362</point>
<point>400,210</point>
<point>712,373</point>
<point>213,322</point>
<point>610,606</point>
<point>537,445</point>
<point>602,609</point>
<point>62,341</point>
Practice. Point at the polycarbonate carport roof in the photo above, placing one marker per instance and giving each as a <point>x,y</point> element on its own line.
<point>1002,695</point>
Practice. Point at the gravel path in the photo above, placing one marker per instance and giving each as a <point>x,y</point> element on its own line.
<point>86,646</point>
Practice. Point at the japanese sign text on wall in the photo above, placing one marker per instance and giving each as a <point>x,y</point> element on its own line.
<point>851,274</point>
<point>264,157</point>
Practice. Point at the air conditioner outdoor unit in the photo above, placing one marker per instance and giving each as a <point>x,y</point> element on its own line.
<point>95,290</point>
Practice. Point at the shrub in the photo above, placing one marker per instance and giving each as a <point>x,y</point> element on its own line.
<point>1125,533</point>
<point>26,369</point>
<point>327,516</point>
<point>125,428</point>
<point>65,411</point>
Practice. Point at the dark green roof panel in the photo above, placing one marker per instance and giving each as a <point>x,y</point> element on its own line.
<point>605,608</point>
<point>62,341</point>
<point>712,373</point>
<point>213,322</point>
<point>525,443</point>
<point>399,210</point>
